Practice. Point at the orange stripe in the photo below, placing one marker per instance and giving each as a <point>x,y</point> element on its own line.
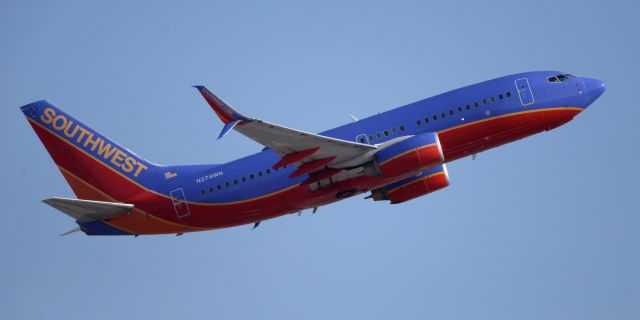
<point>145,223</point>
<point>415,181</point>
<point>409,151</point>
<point>508,115</point>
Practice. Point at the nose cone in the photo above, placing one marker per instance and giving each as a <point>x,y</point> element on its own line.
<point>595,88</point>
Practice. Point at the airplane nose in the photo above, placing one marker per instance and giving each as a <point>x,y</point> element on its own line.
<point>595,88</point>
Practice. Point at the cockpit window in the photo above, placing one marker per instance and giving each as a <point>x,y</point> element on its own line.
<point>560,78</point>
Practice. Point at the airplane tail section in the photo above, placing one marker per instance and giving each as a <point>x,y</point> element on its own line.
<point>95,167</point>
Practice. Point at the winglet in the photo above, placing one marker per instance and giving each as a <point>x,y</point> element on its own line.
<point>227,127</point>
<point>222,110</point>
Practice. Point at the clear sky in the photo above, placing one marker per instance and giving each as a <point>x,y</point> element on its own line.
<point>544,228</point>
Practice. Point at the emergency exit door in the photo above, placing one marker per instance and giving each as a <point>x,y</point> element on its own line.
<point>180,203</point>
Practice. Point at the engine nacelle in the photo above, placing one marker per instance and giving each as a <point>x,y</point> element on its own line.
<point>410,156</point>
<point>410,188</point>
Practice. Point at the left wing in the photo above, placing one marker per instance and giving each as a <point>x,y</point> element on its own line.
<point>89,210</point>
<point>312,151</point>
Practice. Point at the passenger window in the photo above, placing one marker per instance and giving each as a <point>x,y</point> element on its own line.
<point>361,140</point>
<point>268,171</point>
<point>475,104</point>
<point>401,129</point>
<point>244,179</point>
<point>386,133</point>
<point>235,182</point>
<point>508,94</point>
<point>370,138</point>
<point>426,120</point>
<point>378,135</point>
<point>468,107</point>
<point>500,96</point>
<point>393,130</point>
<point>201,193</point>
<point>484,101</point>
<point>459,109</point>
<point>418,123</point>
<point>259,173</point>
<point>210,189</point>
<point>227,184</point>
<point>450,112</point>
<point>442,115</point>
<point>435,117</point>
<point>219,187</point>
<point>492,99</point>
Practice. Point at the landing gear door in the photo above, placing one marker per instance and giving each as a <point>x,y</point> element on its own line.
<point>180,203</point>
<point>524,92</point>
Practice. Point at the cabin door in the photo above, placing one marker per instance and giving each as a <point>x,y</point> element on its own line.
<point>180,203</point>
<point>524,92</point>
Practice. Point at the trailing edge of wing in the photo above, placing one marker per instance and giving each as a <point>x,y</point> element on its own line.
<point>88,210</point>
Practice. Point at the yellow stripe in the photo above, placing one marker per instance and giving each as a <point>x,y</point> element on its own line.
<point>415,181</point>
<point>283,190</point>
<point>409,151</point>
<point>507,115</point>
<point>157,193</point>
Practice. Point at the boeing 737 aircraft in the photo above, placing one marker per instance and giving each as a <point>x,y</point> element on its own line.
<point>395,156</point>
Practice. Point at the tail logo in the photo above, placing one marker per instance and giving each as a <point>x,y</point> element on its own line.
<point>98,146</point>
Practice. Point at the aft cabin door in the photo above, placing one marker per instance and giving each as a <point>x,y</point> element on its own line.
<point>524,92</point>
<point>180,203</point>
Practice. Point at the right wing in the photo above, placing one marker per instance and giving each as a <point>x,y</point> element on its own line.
<point>312,152</point>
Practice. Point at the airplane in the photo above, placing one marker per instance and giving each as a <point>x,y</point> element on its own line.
<point>395,156</point>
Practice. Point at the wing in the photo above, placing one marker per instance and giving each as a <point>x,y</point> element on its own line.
<point>311,151</point>
<point>88,210</point>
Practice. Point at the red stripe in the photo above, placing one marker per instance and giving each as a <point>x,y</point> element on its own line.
<point>310,166</point>
<point>295,157</point>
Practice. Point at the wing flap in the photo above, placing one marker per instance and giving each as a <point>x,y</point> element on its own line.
<point>88,210</point>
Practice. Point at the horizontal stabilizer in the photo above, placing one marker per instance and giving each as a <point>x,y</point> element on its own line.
<point>88,210</point>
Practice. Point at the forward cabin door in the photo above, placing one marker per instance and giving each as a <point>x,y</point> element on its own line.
<point>524,92</point>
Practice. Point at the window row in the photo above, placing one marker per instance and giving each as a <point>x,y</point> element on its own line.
<point>475,104</point>
<point>379,135</point>
<point>243,179</point>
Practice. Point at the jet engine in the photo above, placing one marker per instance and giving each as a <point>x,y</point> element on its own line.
<point>410,156</point>
<point>410,188</point>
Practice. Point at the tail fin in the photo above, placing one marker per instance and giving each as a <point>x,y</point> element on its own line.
<point>95,167</point>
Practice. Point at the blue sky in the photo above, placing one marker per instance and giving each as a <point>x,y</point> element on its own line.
<point>544,228</point>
